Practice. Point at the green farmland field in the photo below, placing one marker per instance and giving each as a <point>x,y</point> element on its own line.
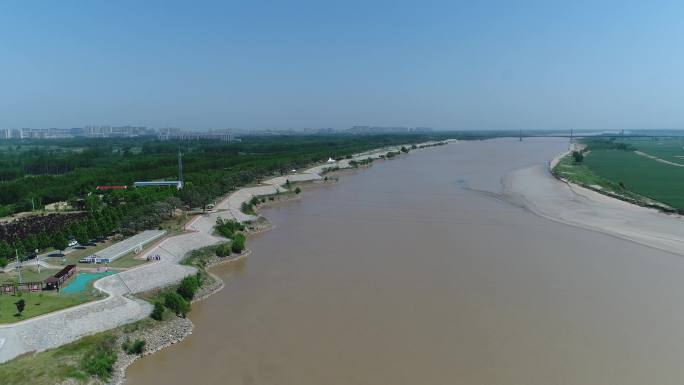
<point>624,171</point>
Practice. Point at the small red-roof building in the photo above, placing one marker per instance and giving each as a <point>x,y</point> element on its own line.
<point>111,187</point>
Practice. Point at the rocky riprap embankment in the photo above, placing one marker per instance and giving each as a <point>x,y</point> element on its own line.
<point>156,338</point>
<point>171,331</point>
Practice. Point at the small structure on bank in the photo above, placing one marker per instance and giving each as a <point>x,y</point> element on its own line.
<point>11,288</point>
<point>54,282</point>
<point>164,183</point>
<point>110,187</point>
<point>133,244</point>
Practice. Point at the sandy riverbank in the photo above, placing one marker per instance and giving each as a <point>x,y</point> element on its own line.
<point>535,189</point>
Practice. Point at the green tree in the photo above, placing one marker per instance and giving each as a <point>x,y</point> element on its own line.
<point>237,243</point>
<point>31,243</point>
<point>188,287</point>
<point>577,156</point>
<point>81,235</point>
<point>60,242</point>
<point>298,190</point>
<point>6,253</point>
<point>21,304</point>
<point>177,304</point>
<point>93,203</point>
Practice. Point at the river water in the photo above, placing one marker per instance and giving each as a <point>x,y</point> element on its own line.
<point>403,274</point>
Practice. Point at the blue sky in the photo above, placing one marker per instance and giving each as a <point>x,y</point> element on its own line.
<point>297,64</point>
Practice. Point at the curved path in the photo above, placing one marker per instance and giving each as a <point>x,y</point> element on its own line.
<point>61,327</point>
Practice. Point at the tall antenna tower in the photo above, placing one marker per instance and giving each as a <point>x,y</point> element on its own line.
<point>180,166</point>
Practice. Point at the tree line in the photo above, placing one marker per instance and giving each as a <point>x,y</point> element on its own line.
<point>211,169</point>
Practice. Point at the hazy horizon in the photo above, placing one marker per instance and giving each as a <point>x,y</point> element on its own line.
<point>306,64</point>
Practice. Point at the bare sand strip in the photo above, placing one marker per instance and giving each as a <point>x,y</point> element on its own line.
<point>119,308</point>
<point>538,191</point>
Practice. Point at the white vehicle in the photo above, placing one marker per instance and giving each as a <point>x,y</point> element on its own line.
<point>72,243</point>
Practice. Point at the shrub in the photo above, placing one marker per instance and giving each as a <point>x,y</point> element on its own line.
<point>136,347</point>
<point>247,208</point>
<point>238,243</point>
<point>199,276</point>
<point>158,312</point>
<point>223,250</point>
<point>188,287</point>
<point>100,360</point>
<point>177,304</point>
<point>228,228</point>
<point>298,190</point>
<point>577,156</point>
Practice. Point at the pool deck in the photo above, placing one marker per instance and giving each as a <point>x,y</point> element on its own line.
<point>82,282</point>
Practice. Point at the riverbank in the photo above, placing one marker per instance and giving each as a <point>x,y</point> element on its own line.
<point>564,168</point>
<point>171,331</point>
<point>121,307</point>
<point>471,277</point>
<point>537,190</point>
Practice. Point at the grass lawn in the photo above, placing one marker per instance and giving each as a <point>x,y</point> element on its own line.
<point>175,225</point>
<point>126,261</point>
<point>55,365</point>
<point>40,303</point>
<point>28,274</point>
<point>72,258</point>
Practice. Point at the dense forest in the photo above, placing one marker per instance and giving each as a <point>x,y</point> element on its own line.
<point>35,173</point>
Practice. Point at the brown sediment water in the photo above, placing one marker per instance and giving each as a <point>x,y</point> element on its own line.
<point>403,274</point>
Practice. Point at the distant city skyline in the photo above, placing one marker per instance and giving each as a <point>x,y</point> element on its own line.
<point>449,65</point>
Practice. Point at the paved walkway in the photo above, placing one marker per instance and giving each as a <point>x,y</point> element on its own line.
<point>58,328</point>
<point>55,329</point>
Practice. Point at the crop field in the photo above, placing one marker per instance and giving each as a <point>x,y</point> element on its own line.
<point>617,167</point>
<point>669,149</point>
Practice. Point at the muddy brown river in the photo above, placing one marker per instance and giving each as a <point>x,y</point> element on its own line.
<point>405,274</point>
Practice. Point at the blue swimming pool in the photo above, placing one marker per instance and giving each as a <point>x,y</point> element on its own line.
<point>80,282</point>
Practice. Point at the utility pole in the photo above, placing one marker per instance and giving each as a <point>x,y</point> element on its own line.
<point>180,166</point>
<point>16,253</point>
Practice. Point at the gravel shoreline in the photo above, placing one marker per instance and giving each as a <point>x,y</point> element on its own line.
<point>172,331</point>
